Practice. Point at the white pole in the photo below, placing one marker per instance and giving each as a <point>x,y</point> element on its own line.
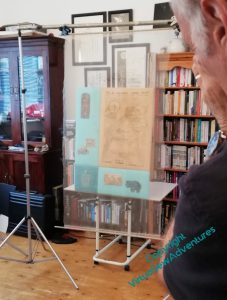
<point>33,26</point>
<point>26,175</point>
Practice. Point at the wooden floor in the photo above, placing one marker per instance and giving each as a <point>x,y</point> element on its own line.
<point>47,280</point>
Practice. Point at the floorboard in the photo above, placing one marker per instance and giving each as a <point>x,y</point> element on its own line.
<point>47,280</point>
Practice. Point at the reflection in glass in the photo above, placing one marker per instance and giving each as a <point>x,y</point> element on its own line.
<point>5,103</point>
<point>34,97</point>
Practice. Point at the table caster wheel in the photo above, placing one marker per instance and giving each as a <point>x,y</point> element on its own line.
<point>148,246</point>
<point>127,268</point>
<point>96,262</point>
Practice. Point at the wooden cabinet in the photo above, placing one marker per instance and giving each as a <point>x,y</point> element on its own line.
<point>43,62</point>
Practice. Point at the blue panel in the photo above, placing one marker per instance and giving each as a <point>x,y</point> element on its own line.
<point>86,179</point>
<point>87,126</point>
<point>124,183</point>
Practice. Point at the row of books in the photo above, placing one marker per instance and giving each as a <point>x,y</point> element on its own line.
<point>182,102</point>
<point>177,77</point>
<point>168,212</point>
<point>82,212</point>
<point>113,214</point>
<point>86,210</point>
<point>173,177</point>
<point>188,130</point>
<point>159,215</point>
<point>181,157</point>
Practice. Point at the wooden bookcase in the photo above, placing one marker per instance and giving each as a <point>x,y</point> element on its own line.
<point>184,123</point>
<point>43,60</point>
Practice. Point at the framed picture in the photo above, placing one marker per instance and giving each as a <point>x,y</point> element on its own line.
<point>97,77</point>
<point>120,16</point>
<point>129,65</point>
<point>89,44</point>
<point>162,11</point>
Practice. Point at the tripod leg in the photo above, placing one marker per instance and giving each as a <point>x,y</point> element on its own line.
<point>13,246</point>
<point>55,254</point>
<point>12,232</point>
<point>38,236</point>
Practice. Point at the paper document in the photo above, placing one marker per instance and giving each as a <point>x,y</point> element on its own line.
<point>4,221</point>
<point>159,190</point>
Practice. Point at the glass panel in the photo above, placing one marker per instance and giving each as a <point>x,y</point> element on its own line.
<point>5,103</point>
<point>34,97</point>
<point>111,141</point>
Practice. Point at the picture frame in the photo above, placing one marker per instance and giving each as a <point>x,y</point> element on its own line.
<point>89,46</point>
<point>162,11</point>
<point>128,71</point>
<point>120,16</point>
<point>97,77</point>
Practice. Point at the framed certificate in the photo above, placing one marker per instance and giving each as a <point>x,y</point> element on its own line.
<point>89,45</point>
<point>129,65</point>
<point>97,77</point>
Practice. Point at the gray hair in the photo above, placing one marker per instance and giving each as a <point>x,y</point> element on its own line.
<point>192,11</point>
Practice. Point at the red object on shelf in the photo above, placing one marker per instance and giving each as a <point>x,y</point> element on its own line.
<point>35,110</point>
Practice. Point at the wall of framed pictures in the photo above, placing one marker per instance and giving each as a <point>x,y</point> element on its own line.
<point>143,10</point>
<point>110,64</point>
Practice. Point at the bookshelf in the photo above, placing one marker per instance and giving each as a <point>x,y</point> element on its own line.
<point>184,122</point>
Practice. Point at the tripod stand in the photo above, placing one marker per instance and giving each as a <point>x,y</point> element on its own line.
<point>31,223</point>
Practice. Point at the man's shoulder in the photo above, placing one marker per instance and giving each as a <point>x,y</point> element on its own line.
<point>203,194</point>
<point>213,171</point>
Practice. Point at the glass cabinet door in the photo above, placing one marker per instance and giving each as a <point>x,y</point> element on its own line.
<point>5,100</point>
<point>34,98</point>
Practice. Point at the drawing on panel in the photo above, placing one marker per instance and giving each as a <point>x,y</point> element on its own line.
<point>85,106</point>
<point>133,185</point>
<point>126,128</point>
<point>112,179</point>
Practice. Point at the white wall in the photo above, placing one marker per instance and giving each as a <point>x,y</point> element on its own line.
<point>52,12</point>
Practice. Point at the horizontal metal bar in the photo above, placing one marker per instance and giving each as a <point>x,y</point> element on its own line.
<point>13,259</point>
<point>92,25</point>
<point>110,244</point>
<point>33,26</point>
<point>116,263</point>
<point>111,262</point>
<point>44,259</point>
<point>152,236</point>
<point>144,245</point>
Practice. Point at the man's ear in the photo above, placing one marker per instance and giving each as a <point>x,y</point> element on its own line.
<point>215,14</point>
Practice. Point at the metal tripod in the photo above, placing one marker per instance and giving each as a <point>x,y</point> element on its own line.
<point>31,223</point>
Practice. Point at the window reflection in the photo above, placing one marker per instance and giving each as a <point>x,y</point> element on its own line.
<point>34,97</point>
<point>5,101</point>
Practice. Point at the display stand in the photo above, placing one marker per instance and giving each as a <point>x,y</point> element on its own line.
<point>129,257</point>
<point>159,191</point>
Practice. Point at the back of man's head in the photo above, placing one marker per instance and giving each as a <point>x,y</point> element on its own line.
<point>190,12</point>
